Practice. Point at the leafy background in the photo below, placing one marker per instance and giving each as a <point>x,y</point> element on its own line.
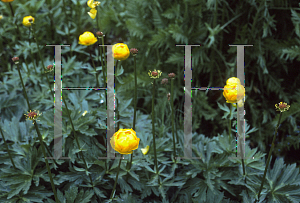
<point>154,27</point>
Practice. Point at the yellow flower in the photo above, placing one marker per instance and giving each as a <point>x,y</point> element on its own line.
<point>282,107</point>
<point>233,81</point>
<point>7,0</point>
<point>93,13</point>
<point>83,114</point>
<point>145,150</point>
<point>26,21</point>
<point>1,16</point>
<point>93,4</point>
<point>87,38</point>
<point>120,51</point>
<point>125,141</point>
<point>235,91</point>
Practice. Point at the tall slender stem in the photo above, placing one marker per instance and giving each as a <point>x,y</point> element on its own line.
<point>67,18</point>
<point>269,157</point>
<point>51,21</point>
<point>172,105</point>
<point>13,15</point>
<point>8,151</point>
<point>114,189</point>
<point>153,130</point>
<point>31,52</point>
<point>117,110</point>
<point>97,82</point>
<point>134,114</point>
<point>18,30</point>
<point>76,138</point>
<point>41,140</point>
<point>42,60</point>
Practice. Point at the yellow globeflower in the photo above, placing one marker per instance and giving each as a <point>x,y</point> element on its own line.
<point>235,91</point>
<point>233,81</point>
<point>120,51</point>
<point>87,38</point>
<point>93,13</point>
<point>93,4</point>
<point>7,0</point>
<point>26,21</point>
<point>125,141</point>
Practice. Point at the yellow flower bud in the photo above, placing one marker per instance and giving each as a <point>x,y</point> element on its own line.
<point>125,141</point>
<point>1,16</point>
<point>145,150</point>
<point>26,21</point>
<point>87,38</point>
<point>7,0</point>
<point>235,91</point>
<point>93,13</point>
<point>120,51</point>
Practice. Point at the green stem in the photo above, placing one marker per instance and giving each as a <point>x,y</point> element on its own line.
<point>19,33</point>
<point>42,60</point>
<point>67,17</point>
<point>117,110</point>
<point>13,15</point>
<point>31,52</point>
<point>114,189</point>
<point>40,138</point>
<point>97,82</point>
<point>86,168</point>
<point>103,48</point>
<point>135,105</point>
<point>172,105</point>
<point>12,161</point>
<point>269,157</point>
<point>153,130</point>
<point>51,21</point>
<point>229,123</point>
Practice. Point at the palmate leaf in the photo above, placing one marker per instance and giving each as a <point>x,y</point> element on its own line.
<point>283,182</point>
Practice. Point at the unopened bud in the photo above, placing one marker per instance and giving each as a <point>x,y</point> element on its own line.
<point>99,34</point>
<point>134,51</point>
<point>164,81</point>
<point>15,60</point>
<point>171,75</point>
<point>49,67</point>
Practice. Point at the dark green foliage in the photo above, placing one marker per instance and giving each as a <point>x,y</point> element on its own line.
<point>154,27</point>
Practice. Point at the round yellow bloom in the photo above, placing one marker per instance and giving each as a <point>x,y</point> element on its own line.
<point>125,141</point>
<point>87,38</point>
<point>235,92</point>
<point>1,16</point>
<point>233,81</point>
<point>26,21</point>
<point>7,0</point>
<point>93,4</point>
<point>120,51</point>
